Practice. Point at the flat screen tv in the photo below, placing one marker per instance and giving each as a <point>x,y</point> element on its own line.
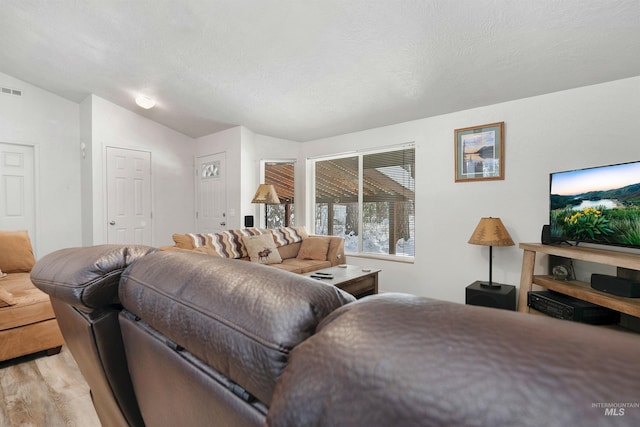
<point>596,205</point>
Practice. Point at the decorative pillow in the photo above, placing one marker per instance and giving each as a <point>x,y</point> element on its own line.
<point>184,241</point>
<point>314,248</point>
<point>229,243</point>
<point>286,235</point>
<point>6,298</point>
<point>262,249</point>
<point>198,240</point>
<point>16,254</point>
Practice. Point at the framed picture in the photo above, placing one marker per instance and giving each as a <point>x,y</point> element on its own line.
<point>480,153</point>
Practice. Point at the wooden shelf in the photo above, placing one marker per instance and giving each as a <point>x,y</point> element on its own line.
<point>574,288</point>
<point>618,259</point>
<point>584,291</point>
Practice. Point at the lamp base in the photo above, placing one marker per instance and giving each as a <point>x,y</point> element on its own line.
<point>492,285</point>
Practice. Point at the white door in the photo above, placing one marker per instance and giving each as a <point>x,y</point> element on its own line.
<point>211,194</point>
<point>17,188</point>
<point>128,196</point>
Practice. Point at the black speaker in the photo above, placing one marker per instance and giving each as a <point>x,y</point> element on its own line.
<point>497,297</point>
<point>616,285</point>
<point>546,235</point>
<point>248,221</point>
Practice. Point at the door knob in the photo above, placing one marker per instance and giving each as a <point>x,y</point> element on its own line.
<point>223,223</point>
<point>112,223</point>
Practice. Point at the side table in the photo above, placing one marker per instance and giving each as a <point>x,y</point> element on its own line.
<point>355,280</point>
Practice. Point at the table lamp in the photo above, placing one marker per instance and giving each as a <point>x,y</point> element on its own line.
<point>266,193</point>
<point>490,232</point>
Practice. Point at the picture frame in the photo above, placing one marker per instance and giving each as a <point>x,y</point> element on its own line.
<point>479,153</point>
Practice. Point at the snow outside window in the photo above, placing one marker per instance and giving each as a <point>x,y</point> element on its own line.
<point>369,199</point>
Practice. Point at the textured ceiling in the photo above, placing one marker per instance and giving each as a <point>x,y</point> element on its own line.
<point>305,69</point>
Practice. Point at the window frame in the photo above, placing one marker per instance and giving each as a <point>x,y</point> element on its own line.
<point>360,154</point>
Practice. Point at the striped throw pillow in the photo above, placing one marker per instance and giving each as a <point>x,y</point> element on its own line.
<point>287,235</point>
<point>229,243</point>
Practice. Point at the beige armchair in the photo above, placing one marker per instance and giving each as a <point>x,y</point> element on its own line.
<point>27,322</point>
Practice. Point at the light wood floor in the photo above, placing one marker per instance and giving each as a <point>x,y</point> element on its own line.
<point>45,391</point>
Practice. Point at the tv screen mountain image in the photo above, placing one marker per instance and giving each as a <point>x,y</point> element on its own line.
<point>596,205</point>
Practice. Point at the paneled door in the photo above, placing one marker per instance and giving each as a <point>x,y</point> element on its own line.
<point>128,196</point>
<point>211,194</point>
<point>17,188</point>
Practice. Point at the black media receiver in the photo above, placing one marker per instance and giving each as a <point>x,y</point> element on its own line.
<point>565,307</point>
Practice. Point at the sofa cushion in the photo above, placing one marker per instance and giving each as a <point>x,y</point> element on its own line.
<point>287,235</point>
<point>16,254</point>
<point>314,247</point>
<point>240,318</point>
<point>286,266</point>
<point>28,304</point>
<point>306,265</point>
<point>188,241</point>
<point>262,249</point>
<point>290,250</point>
<point>6,297</point>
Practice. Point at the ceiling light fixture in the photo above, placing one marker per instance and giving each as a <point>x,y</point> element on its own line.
<point>145,102</point>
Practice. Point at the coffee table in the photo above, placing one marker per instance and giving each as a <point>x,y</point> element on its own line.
<point>356,280</point>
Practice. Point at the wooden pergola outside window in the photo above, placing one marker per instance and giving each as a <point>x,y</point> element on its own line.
<point>388,195</point>
<point>281,176</point>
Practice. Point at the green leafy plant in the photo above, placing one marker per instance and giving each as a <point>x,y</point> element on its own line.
<point>589,223</point>
<point>629,231</point>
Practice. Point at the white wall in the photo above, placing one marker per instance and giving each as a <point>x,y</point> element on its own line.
<point>50,124</point>
<point>86,170</point>
<point>584,127</point>
<point>171,168</point>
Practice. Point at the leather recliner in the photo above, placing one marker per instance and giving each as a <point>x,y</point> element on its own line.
<point>83,286</point>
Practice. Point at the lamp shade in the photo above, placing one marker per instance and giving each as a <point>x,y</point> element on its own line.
<point>266,193</point>
<point>491,232</point>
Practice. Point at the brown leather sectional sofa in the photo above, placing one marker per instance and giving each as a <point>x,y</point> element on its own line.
<point>181,338</point>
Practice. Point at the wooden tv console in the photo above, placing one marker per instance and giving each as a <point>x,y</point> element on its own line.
<point>574,288</point>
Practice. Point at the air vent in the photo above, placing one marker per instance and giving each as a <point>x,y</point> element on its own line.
<point>9,91</point>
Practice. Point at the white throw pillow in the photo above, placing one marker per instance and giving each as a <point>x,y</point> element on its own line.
<point>262,249</point>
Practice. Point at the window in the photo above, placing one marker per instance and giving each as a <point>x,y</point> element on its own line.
<point>369,199</point>
<point>281,176</point>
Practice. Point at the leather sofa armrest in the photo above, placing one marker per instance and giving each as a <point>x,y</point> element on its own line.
<point>86,277</point>
<point>418,361</point>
